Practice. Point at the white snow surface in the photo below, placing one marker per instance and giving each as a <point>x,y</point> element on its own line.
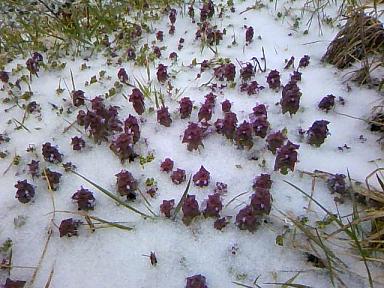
<point>114,258</point>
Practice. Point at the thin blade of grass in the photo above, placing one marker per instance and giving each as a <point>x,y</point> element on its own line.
<point>178,207</point>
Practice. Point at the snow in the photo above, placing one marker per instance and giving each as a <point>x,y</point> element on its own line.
<point>114,258</point>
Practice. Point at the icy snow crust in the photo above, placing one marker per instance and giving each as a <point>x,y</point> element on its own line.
<point>114,258</point>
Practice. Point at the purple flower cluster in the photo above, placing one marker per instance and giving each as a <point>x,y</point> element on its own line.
<point>227,71</point>
<point>251,88</point>
<point>137,100</point>
<point>318,132</point>
<point>51,154</point>
<point>190,209</point>
<point>69,227</point>
<point>275,140</point>
<point>100,122</point>
<point>122,146</point>
<point>53,178</point>
<point>25,191</point>
<point>77,143</point>
<point>327,103</point>
<point>84,199</point>
<point>163,117</point>
<point>290,99</point>
<point>193,136</point>
<point>273,80</point>
<point>286,158</point>
<point>185,107</point>
<point>126,184</point>
<point>201,178</point>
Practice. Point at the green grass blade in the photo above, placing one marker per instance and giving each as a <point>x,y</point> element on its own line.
<point>178,207</point>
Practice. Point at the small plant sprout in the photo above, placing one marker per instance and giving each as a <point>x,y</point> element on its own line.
<point>226,106</point>
<point>286,158</point>
<point>78,98</point>
<point>337,184</point>
<point>201,178</point>
<point>122,146</point>
<point>304,61</point>
<point>275,140</point>
<point>243,136</point>
<point>162,74</point>
<point>246,219</point>
<point>33,168</point>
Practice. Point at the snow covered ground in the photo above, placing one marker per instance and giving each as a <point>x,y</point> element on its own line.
<point>112,257</point>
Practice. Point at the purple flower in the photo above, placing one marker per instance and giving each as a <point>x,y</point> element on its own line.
<point>25,191</point>
<point>201,178</point>
<point>78,98</point>
<point>226,106</point>
<point>160,35</point>
<point>243,137</point>
<point>32,66</point>
<point>166,207</point>
<point>327,103</point>
<point>131,55</point>
<point>84,198</point>
<point>227,71</point>
<point>126,184</point>
<point>318,132</point>
<point>185,107</point>
<point>131,126</point>
<point>137,99</point>
<point>296,76</point>
<point>190,209</point>
<point>178,176</point>
<point>4,76</point>
<point>161,73</point>
<point>214,206</point>
<point>122,146</point>
<point>193,136</point>
<point>77,143</point>
<point>196,281</point>
<point>260,126</point>
<point>207,11</point>
<point>247,72</point>
<point>261,201</point>
<point>157,51</point>
<point>275,140</point>
<point>220,223</point>
<point>290,100</point>
<point>69,227</point>
<point>337,184</point>
<point>249,34</point>
<point>205,112</point>
<point>304,61</point>
<point>221,188</point>
<point>166,165</point>
<point>51,154</point>
<point>228,127</point>
<point>33,168</point>
<point>251,88</point>
<point>263,181</point>
<point>172,16</point>
<point>163,117</point>
<point>286,158</point>
<point>53,178</point>
<point>273,79</point>
<point>246,219</point>
<point>122,75</point>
